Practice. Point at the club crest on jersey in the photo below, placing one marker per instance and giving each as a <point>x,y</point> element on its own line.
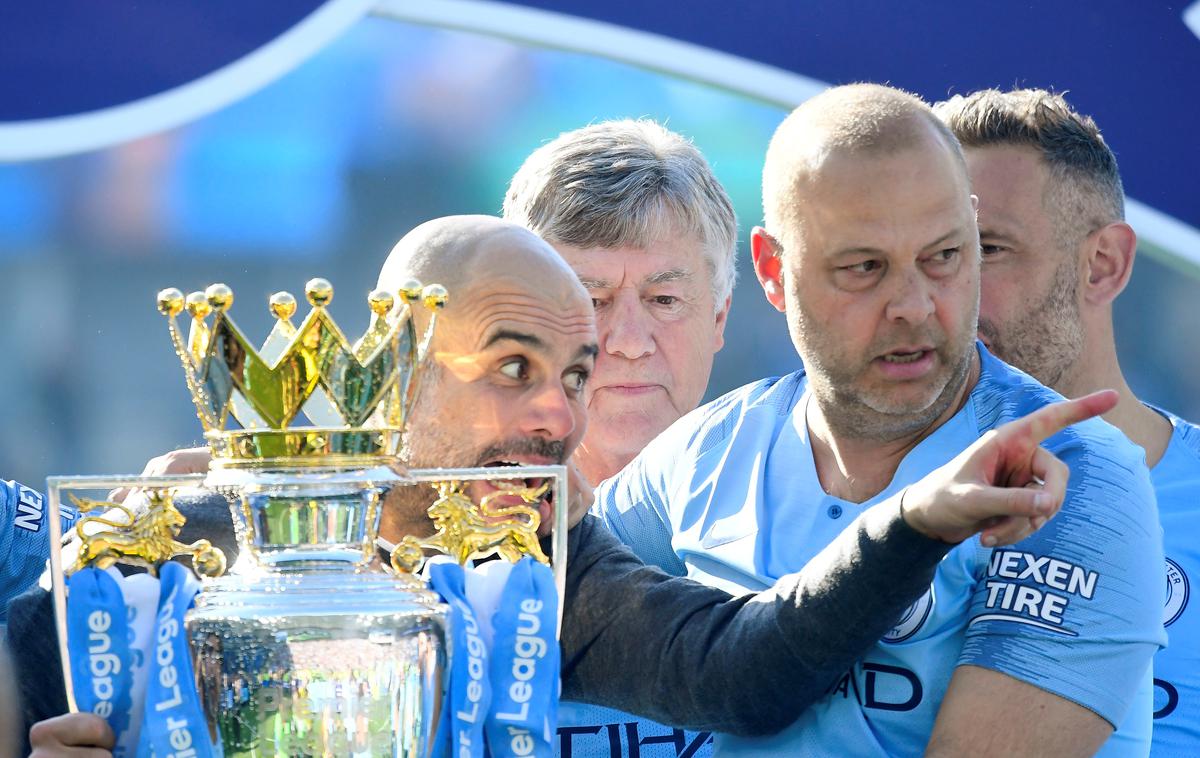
<point>1177,593</point>
<point>912,620</point>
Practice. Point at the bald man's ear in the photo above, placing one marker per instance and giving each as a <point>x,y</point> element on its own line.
<point>767,255</point>
<point>1109,257</point>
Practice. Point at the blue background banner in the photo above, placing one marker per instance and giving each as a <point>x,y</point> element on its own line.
<point>1134,66</point>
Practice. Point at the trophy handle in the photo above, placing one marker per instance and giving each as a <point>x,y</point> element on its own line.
<point>558,528</point>
<point>55,485</point>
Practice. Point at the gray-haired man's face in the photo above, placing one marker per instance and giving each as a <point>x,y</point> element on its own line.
<point>659,329</point>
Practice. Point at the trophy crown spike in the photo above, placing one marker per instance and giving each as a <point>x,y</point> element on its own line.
<point>435,296</point>
<point>197,305</point>
<point>319,292</point>
<point>381,302</point>
<point>282,305</point>
<point>219,296</point>
<point>355,397</point>
<point>170,302</point>
<point>410,291</point>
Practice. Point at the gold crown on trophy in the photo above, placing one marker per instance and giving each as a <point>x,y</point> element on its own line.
<point>355,396</point>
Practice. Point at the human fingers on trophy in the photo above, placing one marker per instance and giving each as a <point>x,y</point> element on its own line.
<point>72,734</point>
<point>581,494</point>
<point>190,460</point>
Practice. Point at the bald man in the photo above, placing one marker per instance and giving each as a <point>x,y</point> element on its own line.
<point>871,250</point>
<point>512,354</point>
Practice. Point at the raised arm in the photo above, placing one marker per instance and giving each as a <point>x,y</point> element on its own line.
<point>690,655</point>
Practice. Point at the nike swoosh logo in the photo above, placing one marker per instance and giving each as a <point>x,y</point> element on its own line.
<point>724,532</point>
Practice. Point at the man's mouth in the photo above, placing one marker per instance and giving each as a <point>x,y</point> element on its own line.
<point>529,482</point>
<point>907,363</point>
<point>630,388</point>
<point>905,356</point>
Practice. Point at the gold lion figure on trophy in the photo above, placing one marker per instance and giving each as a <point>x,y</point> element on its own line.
<point>464,530</point>
<point>145,540</point>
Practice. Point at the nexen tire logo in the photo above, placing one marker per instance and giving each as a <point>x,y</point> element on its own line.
<point>1177,593</point>
<point>912,620</point>
<point>1034,589</point>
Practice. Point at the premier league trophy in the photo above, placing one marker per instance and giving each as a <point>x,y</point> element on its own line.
<point>314,642</point>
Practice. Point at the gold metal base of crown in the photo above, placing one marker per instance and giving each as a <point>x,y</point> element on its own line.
<point>309,446</point>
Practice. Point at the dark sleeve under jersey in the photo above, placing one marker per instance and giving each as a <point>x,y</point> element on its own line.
<point>682,653</point>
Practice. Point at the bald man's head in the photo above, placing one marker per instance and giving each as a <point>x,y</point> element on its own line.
<point>511,353</point>
<point>456,251</point>
<point>849,120</point>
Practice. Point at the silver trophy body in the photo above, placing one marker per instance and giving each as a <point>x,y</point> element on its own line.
<point>303,649</point>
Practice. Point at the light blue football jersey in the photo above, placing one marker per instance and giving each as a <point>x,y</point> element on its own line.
<point>589,731</point>
<point>1176,480</point>
<point>24,543</point>
<point>729,496</point>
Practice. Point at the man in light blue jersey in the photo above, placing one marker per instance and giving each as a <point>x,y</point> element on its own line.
<point>1056,253</point>
<point>23,539</point>
<point>636,211</point>
<point>871,251</point>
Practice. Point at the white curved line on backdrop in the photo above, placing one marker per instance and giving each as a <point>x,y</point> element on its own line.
<point>1191,17</point>
<point>46,138</point>
<point>1179,242</point>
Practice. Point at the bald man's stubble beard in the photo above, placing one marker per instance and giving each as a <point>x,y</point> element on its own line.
<point>852,413</point>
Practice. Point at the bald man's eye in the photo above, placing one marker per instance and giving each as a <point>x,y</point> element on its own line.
<point>575,380</point>
<point>866,267</point>
<point>517,369</point>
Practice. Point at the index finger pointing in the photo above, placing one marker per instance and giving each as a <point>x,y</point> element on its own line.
<point>1053,418</point>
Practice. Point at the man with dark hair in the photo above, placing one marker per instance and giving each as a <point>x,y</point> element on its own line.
<point>1056,254</point>
<point>871,250</point>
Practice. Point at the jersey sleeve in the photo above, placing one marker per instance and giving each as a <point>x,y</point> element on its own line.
<point>1076,609</point>
<point>635,506</point>
<point>24,542</point>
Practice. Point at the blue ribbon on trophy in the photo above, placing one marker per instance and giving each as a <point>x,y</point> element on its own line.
<point>102,661</point>
<point>505,686</point>
<point>130,659</point>
<point>173,723</point>
<point>525,664</point>
<point>469,694</point>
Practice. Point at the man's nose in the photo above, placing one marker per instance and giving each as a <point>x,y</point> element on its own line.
<point>550,414</point>
<point>629,329</point>
<point>911,297</point>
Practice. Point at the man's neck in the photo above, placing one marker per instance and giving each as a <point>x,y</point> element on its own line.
<point>596,465</point>
<point>1099,369</point>
<point>856,468</point>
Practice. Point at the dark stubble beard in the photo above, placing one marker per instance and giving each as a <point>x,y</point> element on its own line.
<point>428,444</point>
<point>1047,339</point>
<point>851,416</point>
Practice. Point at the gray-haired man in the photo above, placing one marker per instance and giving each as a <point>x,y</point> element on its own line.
<point>636,211</point>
